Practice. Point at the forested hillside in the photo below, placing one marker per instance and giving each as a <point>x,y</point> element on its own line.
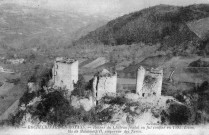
<point>163,24</point>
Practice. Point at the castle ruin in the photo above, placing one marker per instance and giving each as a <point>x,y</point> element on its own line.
<point>65,73</point>
<point>149,83</point>
<point>104,83</point>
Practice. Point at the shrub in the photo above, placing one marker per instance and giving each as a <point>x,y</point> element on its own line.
<point>1,83</point>
<point>16,120</point>
<point>54,108</point>
<point>178,114</point>
<point>80,87</point>
<point>180,97</point>
<point>104,116</point>
<point>199,63</point>
<point>203,87</point>
<point>41,75</point>
<point>118,101</point>
<point>27,97</point>
<point>14,81</point>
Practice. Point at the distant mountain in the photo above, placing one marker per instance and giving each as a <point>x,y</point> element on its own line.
<point>26,27</point>
<point>86,29</point>
<point>163,24</point>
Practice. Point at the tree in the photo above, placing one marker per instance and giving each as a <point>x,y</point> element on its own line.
<point>178,114</point>
<point>54,108</point>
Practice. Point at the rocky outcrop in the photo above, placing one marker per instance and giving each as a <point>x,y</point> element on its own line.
<point>138,110</point>
<point>33,87</point>
<point>86,103</point>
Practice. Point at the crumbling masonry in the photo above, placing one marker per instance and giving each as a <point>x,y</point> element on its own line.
<point>149,83</point>
<point>65,73</point>
<point>104,83</point>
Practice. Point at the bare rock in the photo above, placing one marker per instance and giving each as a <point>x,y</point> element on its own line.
<point>132,97</point>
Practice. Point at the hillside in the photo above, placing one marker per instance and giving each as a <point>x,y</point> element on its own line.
<point>159,24</point>
<point>200,27</point>
<point>24,27</point>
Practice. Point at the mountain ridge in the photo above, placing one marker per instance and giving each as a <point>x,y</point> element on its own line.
<point>163,24</point>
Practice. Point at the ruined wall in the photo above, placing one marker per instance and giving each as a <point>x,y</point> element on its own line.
<point>65,74</point>
<point>103,84</point>
<point>140,80</point>
<point>152,82</point>
<point>74,71</point>
<point>158,74</point>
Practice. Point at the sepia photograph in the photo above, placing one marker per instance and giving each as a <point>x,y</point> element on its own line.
<point>104,67</point>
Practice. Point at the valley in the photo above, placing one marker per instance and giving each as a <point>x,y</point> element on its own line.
<point>169,42</point>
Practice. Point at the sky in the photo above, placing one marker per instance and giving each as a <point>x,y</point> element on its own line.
<point>108,7</point>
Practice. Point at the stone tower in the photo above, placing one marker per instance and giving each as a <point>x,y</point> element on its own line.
<point>65,73</point>
<point>149,83</point>
<point>158,75</point>
<point>140,80</point>
<point>104,83</point>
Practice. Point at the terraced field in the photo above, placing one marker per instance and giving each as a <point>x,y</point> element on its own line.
<point>9,92</point>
